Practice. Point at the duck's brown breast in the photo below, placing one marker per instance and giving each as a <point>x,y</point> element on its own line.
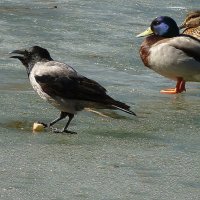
<point>145,48</point>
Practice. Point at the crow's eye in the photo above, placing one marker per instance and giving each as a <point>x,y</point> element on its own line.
<point>27,52</point>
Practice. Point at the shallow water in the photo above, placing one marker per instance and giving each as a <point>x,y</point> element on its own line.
<point>153,156</point>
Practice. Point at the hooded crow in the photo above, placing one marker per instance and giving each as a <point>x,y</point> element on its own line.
<point>63,87</point>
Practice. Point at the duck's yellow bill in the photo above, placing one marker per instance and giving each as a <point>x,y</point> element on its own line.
<point>145,33</point>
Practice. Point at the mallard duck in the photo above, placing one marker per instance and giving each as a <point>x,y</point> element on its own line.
<point>170,54</point>
<point>192,24</point>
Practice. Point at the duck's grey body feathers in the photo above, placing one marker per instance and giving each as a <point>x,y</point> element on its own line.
<point>176,57</point>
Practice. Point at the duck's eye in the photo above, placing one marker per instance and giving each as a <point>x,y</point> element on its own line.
<point>156,23</point>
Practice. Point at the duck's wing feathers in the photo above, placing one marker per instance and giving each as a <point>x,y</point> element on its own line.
<point>187,44</point>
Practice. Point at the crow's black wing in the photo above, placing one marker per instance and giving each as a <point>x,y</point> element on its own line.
<point>60,80</point>
<point>72,87</point>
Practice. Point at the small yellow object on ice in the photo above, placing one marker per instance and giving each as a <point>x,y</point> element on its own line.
<point>37,127</point>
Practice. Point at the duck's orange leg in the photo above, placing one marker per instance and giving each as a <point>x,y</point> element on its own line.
<point>180,87</point>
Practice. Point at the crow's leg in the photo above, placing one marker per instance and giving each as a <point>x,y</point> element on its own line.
<point>64,130</point>
<point>62,116</point>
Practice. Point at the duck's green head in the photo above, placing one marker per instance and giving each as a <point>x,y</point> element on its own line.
<point>162,26</point>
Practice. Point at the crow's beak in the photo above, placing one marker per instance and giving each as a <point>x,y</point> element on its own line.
<point>21,53</point>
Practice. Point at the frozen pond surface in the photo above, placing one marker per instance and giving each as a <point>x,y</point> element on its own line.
<point>152,157</point>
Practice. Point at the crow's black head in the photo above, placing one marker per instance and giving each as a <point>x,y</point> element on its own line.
<point>32,55</point>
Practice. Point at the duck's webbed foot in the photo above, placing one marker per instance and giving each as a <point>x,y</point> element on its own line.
<point>180,87</point>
